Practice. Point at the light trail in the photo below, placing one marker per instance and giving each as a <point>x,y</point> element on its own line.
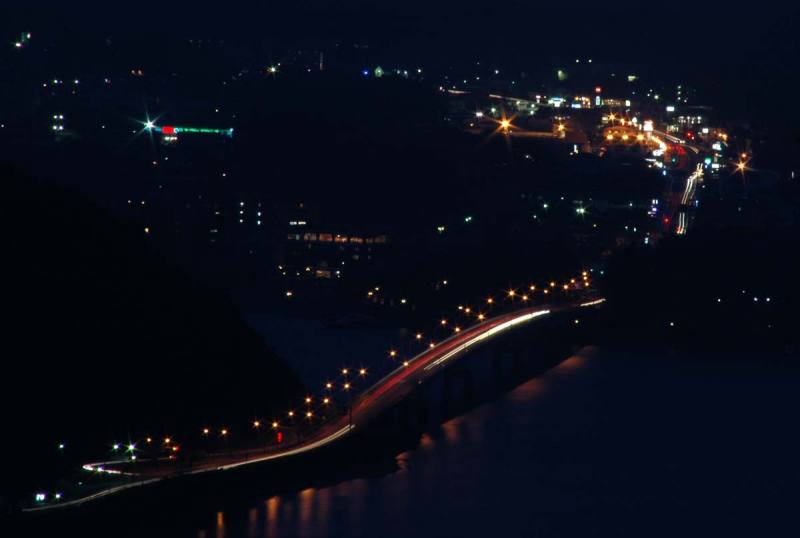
<point>366,406</point>
<point>488,334</point>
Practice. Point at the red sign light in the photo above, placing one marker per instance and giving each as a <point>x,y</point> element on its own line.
<point>168,129</point>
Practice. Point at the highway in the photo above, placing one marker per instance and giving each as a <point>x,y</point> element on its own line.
<point>382,395</point>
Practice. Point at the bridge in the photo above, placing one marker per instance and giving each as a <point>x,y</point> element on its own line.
<point>383,395</point>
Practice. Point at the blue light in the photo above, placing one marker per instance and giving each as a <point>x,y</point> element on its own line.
<point>365,72</point>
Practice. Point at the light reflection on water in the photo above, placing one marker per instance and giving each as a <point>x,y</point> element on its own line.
<point>600,446</point>
<point>427,474</point>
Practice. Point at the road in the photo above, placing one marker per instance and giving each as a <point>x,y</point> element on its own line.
<point>383,394</point>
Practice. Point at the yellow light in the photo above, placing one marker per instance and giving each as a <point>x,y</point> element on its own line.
<point>572,281</point>
<point>309,414</point>
<point>546,292</point>
<point>344,371</point>
<point>552,284</point>
<point>481,317</point>
<point>308,399</point>
<point>393,353</point>
<point>458,329</point>
<point>326,401</point>
<point>444,322</point>
<point>524,297</point>
<point>431,345</point>
<point>640,137</point>
<point>256,424</point>
<point>533,288</point>
<point>328,385</point>
<point>291,414</point>
<point>505,124</point>
<point>224,432</point>
<point>363,371</point>
<point>566,286</point>
<point>624,137</point>
<point>274,424</point>
<point>511,293</point>
<point>467,310</point>
<point>489,300</point>
<point>347,386</point>
<point>405,363</point>
<point>419,336</point>
<point>205,432</point>
<point>167,440</point>
<point>149,439</point>
<point>561,127</point>
<point>610,137</point>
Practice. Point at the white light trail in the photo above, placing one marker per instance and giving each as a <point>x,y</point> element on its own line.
<point>488,334</point>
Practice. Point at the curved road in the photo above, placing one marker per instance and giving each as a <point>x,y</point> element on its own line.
<point>372,402</point>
